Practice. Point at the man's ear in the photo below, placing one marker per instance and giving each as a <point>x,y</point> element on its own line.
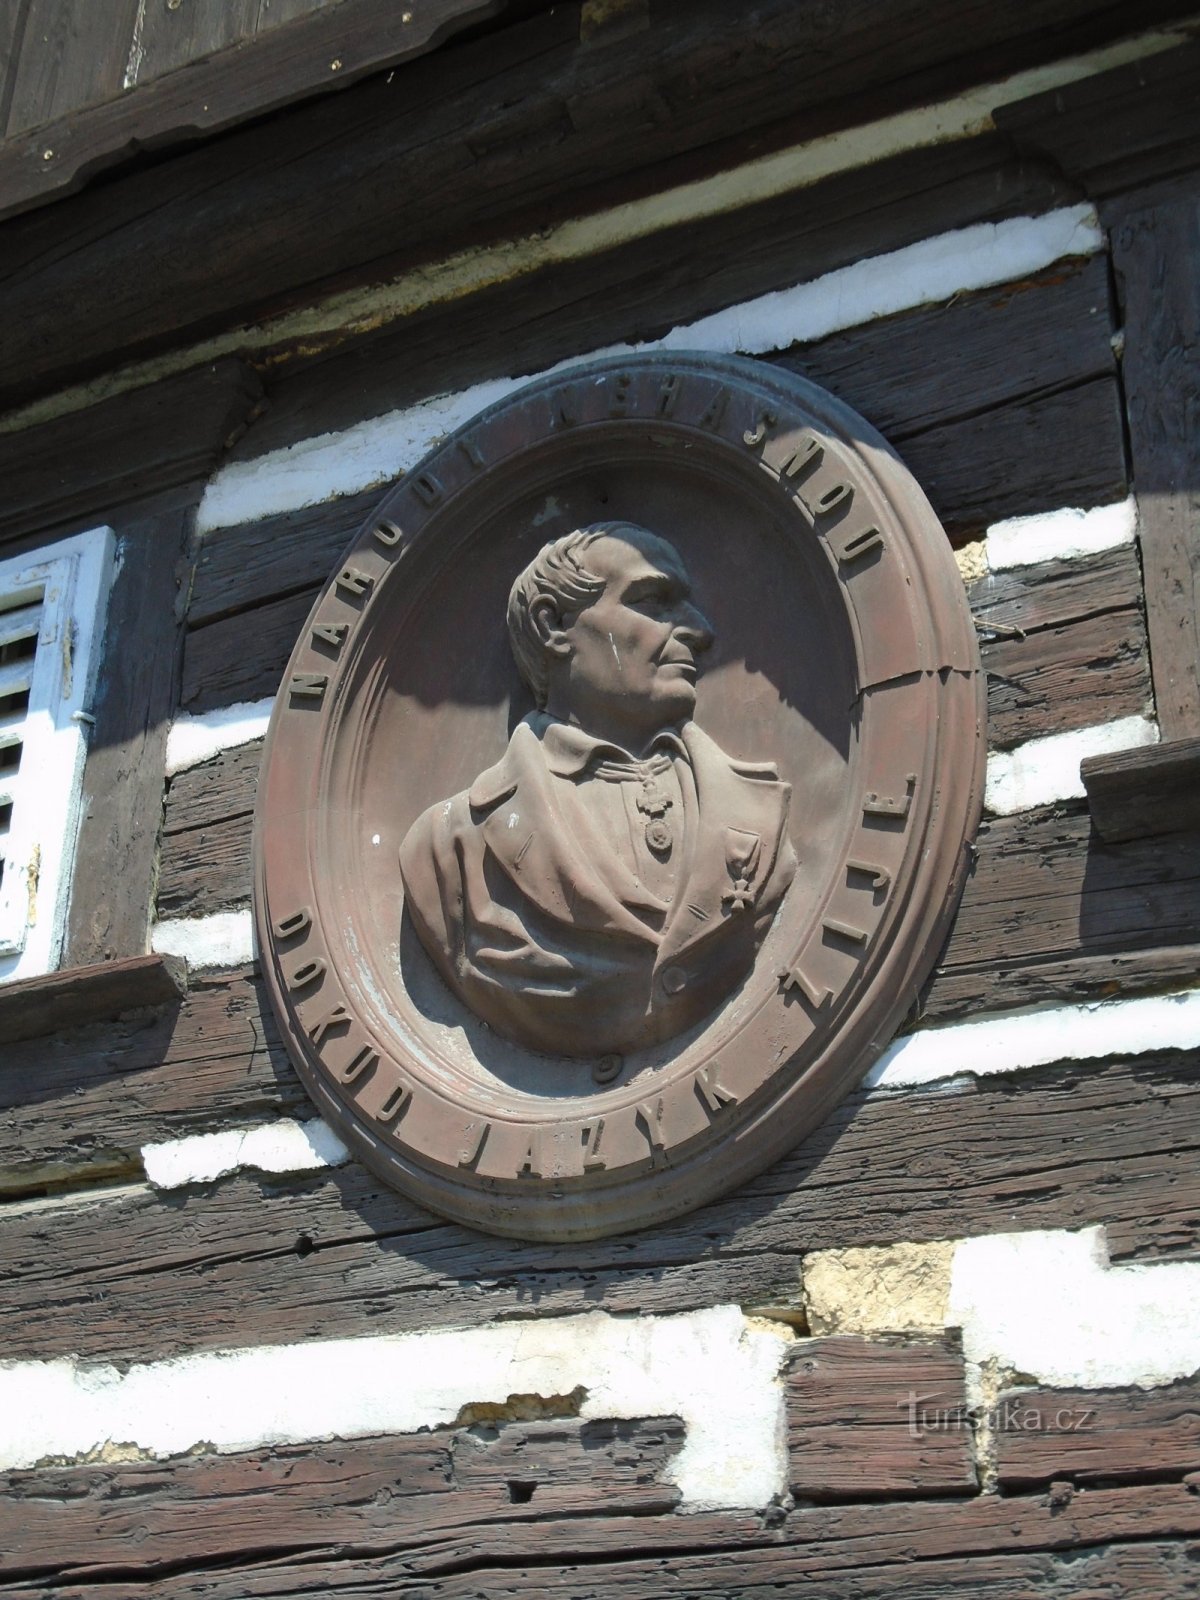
<point>548,626</point>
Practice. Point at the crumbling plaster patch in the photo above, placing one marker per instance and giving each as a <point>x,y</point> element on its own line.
<point>878,1289</point>
<point>711,1368</point>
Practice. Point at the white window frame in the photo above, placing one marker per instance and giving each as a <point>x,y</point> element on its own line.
<point>74,577</point>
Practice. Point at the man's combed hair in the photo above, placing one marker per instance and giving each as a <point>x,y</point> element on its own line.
<point>557,574</point>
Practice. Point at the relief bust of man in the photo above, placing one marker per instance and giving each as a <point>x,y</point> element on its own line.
<point>607,883</point>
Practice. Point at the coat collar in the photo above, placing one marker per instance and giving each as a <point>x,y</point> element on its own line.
<point>733,834</point>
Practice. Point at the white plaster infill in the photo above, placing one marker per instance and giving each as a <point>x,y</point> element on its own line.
<point>220,941</point>
<point>193,739</point>
<point>712,1368</point>
<point>1028,1039</point>
<point>932,270</point>
<point>1049,1305</point>
<point>283,1146</point>
<point>1066,535</point>
<point>1043,771</point>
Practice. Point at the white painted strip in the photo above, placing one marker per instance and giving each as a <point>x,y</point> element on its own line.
<point>283,1146</point>
<point>1049,1305</point>
<point>1020,1041</point>
<point>470,271</point>
<point>1045,770</point>
<point>195,739</point>
<point>1060,535</point>
<point>932,270</point>
<point>712,1368</point>
<point>225,939</point>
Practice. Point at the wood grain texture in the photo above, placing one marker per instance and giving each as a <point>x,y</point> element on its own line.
<point>114,1273</point>
<point>1119,129</point>
<point>1091,1436</point>
<point>1154,254</point>
<point>917,370</point>
<point>376,1495</point>
<point>1045,885</point>
<point>1136,793</point>
<point>858,1415</point>
<point>200,69</point>
<point>81,1102</point>
<point>644,289</point>
<point>79,467</point>
<point>503,133</point>
<point>962,993</point>
<point>73,996</point>
<point>116,858</point>
<point>71,56</point>
<point>625,1558</point>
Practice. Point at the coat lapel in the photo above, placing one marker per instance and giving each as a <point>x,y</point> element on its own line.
<point>733,839</point>
<point>541,837</point>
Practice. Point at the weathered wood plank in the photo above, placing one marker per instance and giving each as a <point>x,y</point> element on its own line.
<point>1129,126</point>
<point>622,1559</point>
<point>1093,669</point>
<point>13,18</point>
<point>237,568</point>
<point>525,124</point>
<point>1154,253</point>
<point>378,1494</point>
<point>1136,793</point>
<point>904,373</point>
<point>1045,884</point>
<point>112,887</point>
<point>242,657</point>
<point>85,463</point>
<point>74,996</point>
<point>400,1476</point>
<point>113,1273</point>
<point>1097,1435</point>
<point>957,993</point>
<point>72,55</point>
<point>855,1415</point>
<point>922,368</point>
<point>178,92</point>
<point>643,289</point>
<point>82,1102</point>
<point>1006,463</point>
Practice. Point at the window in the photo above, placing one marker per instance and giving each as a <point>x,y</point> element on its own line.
<point>52,604</point>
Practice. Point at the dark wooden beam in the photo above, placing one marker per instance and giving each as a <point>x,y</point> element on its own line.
<point>1088,1436</point>
<point>873,1419</point>
<point>1155,249</point>
<point>80,466</point>
<point>73,996</point>
<point>485,140</point>
<point>326,49</point>
<point>1134,794</point>
<point>1129,126</point>
<point>123,781</point>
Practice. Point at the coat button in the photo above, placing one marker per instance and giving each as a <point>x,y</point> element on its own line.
<point>674,979</point>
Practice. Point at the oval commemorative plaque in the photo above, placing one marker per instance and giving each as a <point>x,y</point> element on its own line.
<point>618,794</point>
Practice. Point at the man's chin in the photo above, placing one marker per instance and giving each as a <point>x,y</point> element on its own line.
<point>675,702</point>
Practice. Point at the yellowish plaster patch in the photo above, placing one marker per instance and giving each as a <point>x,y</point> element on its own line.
<point>972,561</point>
<point>897,1288</point>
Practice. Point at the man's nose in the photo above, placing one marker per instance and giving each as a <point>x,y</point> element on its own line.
<point>695,628</point>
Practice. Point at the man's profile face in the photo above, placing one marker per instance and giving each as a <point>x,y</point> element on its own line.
<point>632,666</point>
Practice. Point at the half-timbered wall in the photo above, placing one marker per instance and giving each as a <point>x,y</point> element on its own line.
<point>951,1344</point>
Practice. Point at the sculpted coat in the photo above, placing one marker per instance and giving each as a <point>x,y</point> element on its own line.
<point>540,928</point>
